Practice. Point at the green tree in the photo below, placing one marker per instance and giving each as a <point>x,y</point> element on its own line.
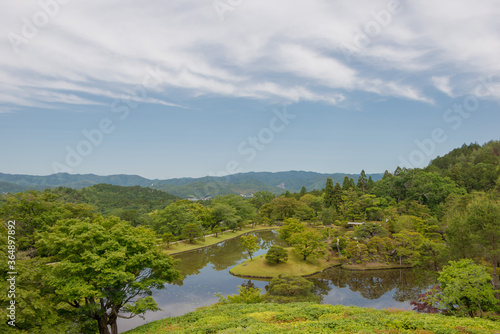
<point>288,289</point>
<point>250,244</point>
<point>328,193</point>
<point>104,267</point>
<point>466,288</point>
<point>261,197</point>
<point>362,181</point>
<point>337,197</point>
<point>246,295</point>
<point>369,184</point>
<point>357,251</point>
<point>307,243</point>
<point>174,217</point>
<point>167,238</point>
<point>408,246</point>
<point>216,230</point>
<point>191,231</point>
<point>369,230</point>
<point>224,213</point>
<point>346,184</point>
<point>36,211</point>
<point>290,226</point>
<point>303,191</point>
<point>475,230</point>
<point>276,254</point>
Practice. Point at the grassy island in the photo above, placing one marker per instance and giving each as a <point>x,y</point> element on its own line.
<point>259,267</point>
<point>312,318</point>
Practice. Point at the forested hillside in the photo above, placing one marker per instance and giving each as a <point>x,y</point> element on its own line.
<point>209,186</point>
<point>473,167</point>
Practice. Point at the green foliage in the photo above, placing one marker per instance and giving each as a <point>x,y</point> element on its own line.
<point>473,167</point>
<point>191,231</point>
<point>118,200</point>
<point>328,193</point>
<point>307,243</point>
<point>466,288</point>
<point>297,318</point>
<point>289,288</point>
<point>262,197</point>
<point>280,208</point>
<point>290,226</point>
<point>250,244</point>
<point>174,217</point>
<point>246,295</point>
<point>104,266</point>
<point>357,251</point>
<point>408,246</point>
<point>167,238</point>
<point>369,230</point>
<point>35,311</point>
<point>36,211</point>
<point>277,254</point>
<point>475,229</point>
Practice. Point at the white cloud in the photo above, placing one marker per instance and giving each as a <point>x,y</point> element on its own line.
<point>443,84</point>
<point>282,50</point>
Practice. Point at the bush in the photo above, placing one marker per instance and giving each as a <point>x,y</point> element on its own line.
<point>289,288</point>
<point>275,254</point>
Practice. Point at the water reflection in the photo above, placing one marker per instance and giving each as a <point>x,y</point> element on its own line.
<point>206,271</point>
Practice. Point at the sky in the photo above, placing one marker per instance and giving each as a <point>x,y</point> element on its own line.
<point>168,89</point>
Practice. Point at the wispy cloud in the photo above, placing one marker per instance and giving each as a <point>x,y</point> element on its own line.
<point>284,51</point>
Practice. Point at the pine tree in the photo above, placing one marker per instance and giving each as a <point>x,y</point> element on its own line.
<point>329,195</point>
<point>303,191</point>
<point>362,181</point>
<point>337,197</point>
<point>346,184</point>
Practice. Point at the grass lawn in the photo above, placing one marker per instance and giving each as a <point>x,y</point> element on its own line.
<point>184,246</point>
<point>259,267</point>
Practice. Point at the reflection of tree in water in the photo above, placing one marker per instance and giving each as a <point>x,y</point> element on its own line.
<point>373,284</point>
<point>321,287</point>
<point>247,285</point>
<point>222,256</point>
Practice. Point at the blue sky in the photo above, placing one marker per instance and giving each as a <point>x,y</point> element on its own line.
<point>189,88</point>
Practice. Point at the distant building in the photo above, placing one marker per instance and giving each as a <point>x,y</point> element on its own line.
<point>355,224</point>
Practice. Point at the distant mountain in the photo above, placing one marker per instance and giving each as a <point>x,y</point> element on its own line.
<point>242,183</point>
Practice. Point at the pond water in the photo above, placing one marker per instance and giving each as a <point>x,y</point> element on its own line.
<point>206,272</point>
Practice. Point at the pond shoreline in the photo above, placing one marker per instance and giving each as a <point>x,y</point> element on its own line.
<point>239,234</point>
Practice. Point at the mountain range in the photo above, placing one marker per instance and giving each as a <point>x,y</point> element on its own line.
<point>208,186</point>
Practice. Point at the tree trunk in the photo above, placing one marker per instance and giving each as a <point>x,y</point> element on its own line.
<point>114,327</point>
<point>495,279</point>
<point>103,325</point>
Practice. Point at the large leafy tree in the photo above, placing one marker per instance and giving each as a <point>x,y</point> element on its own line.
<point>290,227</point>
<point>308,243</point>
<point>466,288</point>
<point>104,268</point>
<point>36,211</point>
<point>174,217</point>
<point>475,230</point>
<point>250,244</point>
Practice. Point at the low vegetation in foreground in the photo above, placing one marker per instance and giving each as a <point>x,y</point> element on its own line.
<point>312,318</point>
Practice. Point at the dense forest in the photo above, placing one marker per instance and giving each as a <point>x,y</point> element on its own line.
<point>101,238</point>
